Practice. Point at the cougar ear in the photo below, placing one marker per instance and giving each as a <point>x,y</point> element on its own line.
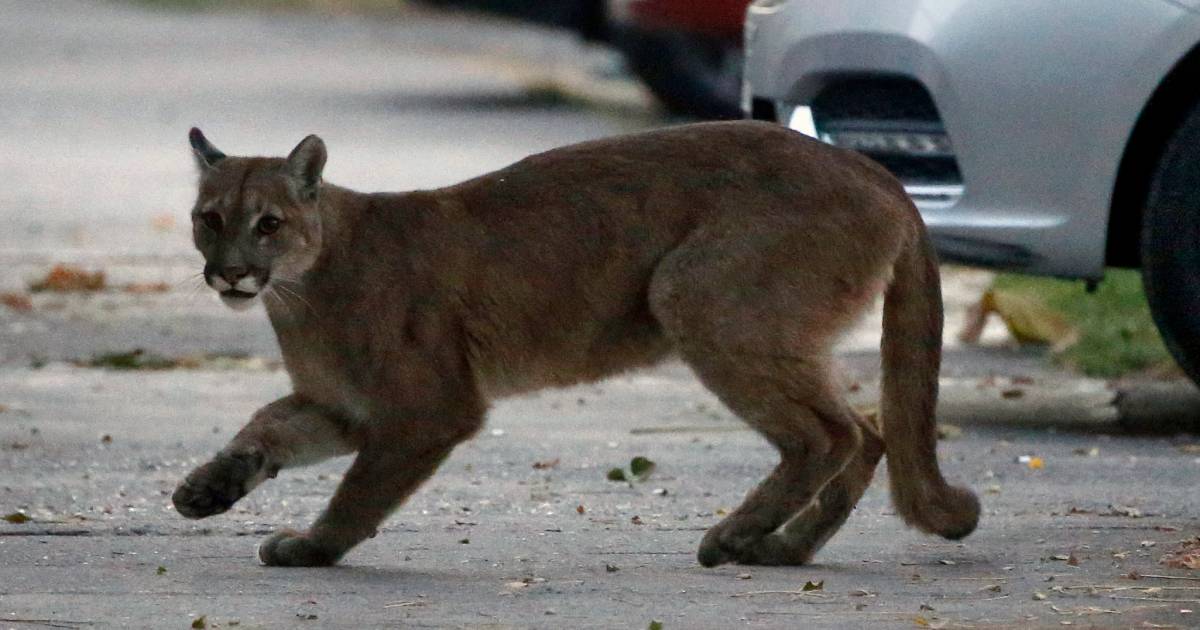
<point>305,164</point>
<point>205,153</point>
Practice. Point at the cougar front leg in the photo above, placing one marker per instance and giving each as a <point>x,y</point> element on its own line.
<point>288,432</point>
<point>386,471</point>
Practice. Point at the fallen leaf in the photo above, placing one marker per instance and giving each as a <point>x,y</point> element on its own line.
<point>1087,452</point>
<point>163,222</point>
<point>17,301</point>
<point>68,278</point>
<point>1073,560</point>
<point>579,509</point>
<point>641,467</point>
<point>17,518</point>
<point>136,359</point>
<point>1012,393</point>
<point>1027,318</point>
<point>543,465</point>
<point>106,439</point>
<point>813,586</point>
<point>1123,510</point>
<point>161,570</point>
<point>616,474</point>
<point>655,625</point>
<point>636,520</point>
<point>200,622</point>
<point>464,541</point>
<point>611,568</point>
<point>948,431</point>
<point>1187,556</point>
<point>138,288</point>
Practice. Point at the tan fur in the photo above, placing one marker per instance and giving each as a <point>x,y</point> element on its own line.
<point>742,247</point>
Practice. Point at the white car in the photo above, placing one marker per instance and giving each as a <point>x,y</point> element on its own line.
<point>1052,137</point>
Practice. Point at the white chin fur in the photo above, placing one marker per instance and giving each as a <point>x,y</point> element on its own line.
<point>237,303</point>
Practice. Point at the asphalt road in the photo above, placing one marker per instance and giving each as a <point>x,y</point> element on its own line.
<point>520,527</point>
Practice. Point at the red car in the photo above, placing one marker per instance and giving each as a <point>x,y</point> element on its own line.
<point>688,52</point>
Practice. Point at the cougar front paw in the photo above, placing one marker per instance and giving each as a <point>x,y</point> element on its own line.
<point>289,548</point>
<point>214,487</point>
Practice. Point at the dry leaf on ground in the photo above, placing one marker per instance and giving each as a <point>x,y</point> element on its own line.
<point>1186,557</point>
<point>146,287</point>
<point>163,222</point>
<point>17,301</point>
<point>17,518</point>
<point>1028,320</point>
<point>1034,462</point>
<point>948,431</point>
<point>68,278</point>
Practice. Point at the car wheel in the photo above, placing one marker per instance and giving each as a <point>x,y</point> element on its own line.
<point>1171,246</point>
<point>691,74</point>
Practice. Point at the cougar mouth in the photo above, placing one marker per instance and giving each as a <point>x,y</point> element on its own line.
<point>237,300</point>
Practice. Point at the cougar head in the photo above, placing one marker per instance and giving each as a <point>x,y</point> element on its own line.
<point>256,220</point>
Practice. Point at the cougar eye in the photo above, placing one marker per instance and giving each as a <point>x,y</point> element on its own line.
<point>212,220</point>
<point>268,225</point>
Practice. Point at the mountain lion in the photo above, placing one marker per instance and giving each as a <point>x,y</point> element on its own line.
<point>743,248</point>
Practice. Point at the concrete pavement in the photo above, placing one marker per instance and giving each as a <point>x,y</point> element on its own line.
<point>95,101</point>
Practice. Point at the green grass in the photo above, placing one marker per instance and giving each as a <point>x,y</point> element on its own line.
<point>1116,333</point>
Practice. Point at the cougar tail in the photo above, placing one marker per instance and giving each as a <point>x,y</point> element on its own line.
<point>912,353</point>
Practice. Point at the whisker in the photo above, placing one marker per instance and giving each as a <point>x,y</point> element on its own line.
<point>270,293</point>
<point>195,291</point>
<point>282,287</point>
<point>189,278</point>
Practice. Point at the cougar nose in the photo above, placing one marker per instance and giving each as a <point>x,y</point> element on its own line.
<point>233,274</point>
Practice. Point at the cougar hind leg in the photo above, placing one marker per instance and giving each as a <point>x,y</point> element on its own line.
<point>757,326</point>
<point>807,532</point>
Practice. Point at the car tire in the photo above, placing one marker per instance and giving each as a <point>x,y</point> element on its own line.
<point>1171,245</point>
<point>691,74</point>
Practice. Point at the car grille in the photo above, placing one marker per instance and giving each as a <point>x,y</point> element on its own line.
<point>895,122</point>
